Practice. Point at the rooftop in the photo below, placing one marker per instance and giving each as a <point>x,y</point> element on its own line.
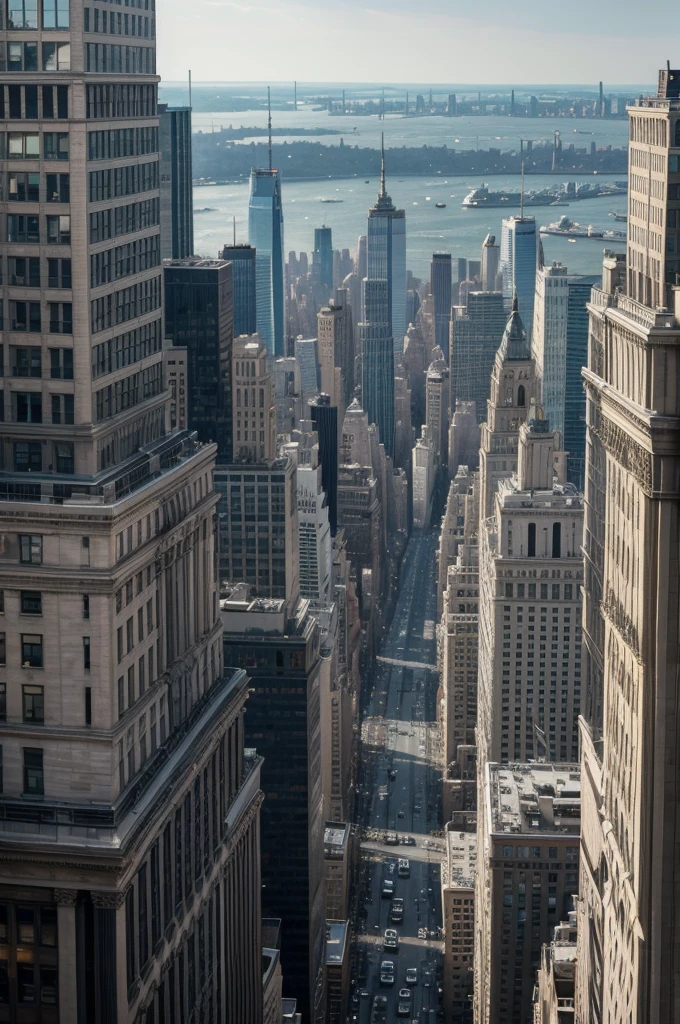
<point>335,837</point>
<point>561,496</point>
<point>535,798</point>
<point>336,941</point>
<point>459,869</point>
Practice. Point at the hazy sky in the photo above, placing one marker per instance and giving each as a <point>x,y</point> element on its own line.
<point>429,41</point>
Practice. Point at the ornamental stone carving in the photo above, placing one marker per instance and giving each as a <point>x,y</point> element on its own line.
<point>627,452</point>
<point>66,897</point>
<point>109,900</point>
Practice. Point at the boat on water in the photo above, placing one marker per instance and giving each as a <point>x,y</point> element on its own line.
<point>206,209</point>
<point>440,206</point>
<point>622,217</point>
<point>571,230</point>
<point>560,195</point>
<point>331,200</point>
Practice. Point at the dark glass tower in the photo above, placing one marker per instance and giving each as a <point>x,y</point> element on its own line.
<point>177,206</point>
<point>265,234</point>
<point>574,440</point>
<point>243,270</point>
<point>440,286</point>
<point>386,261</point>
<point>323,257</point>
<point>324,416</point>
<point>199,314</point>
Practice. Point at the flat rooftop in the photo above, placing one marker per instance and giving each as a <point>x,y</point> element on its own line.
<point>336,941</point>
<point>335,837</point>
<point>460,866</point>
<point>529,799</point>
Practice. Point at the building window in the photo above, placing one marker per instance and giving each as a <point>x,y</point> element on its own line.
<point>63,459</point>
<point>59,230</point>
<point>3,704</point>
<point>557,540</point>
<point>88,705</point>
<point>26,362</point>
<point>33,704</point>
<point>86,606</point>
<point>61,363</point>
<point>31,602</point>
<point>55,14</point>
<point>31,650</point>
<point>61,317</point>
<point>30,549</point>
<point>27,457</point>
<point>3,649</point>
<point>86,653</point>
<point>34,784</point>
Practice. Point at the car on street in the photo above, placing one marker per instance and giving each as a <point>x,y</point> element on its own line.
<point>391,940</point>
<point>387,972</point>
<point>387,891</point>
<point>392,839</point>
<point>397,910</point>
<point>400,814</point>
<point>404,1003</point>
<point>404,868</point>
<point>379,1010</point>
<point>408,840</point>
<point>412,976</point>
<point>392,773</point>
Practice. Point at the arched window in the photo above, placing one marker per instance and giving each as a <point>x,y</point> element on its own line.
<point>557,540</point>
<point>532,540</point>
<point>521,396</point>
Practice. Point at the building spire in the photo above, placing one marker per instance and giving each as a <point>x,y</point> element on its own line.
<point>269,124</point>
<point>383,187</point>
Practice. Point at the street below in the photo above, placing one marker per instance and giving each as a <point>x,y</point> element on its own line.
<point>400,810</point>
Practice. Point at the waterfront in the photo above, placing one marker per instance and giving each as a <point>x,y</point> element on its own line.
<point>428,229</point>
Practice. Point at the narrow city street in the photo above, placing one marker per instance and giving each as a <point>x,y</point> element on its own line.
<point>400,800</point>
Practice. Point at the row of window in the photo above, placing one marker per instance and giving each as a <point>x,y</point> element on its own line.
<point>33,697</point>
<point>105,102</point>
<point>29,457</point>
<point>114,59</point>
<point>15,57</point>
<point>558,591</point>
<point>123,305</point>
<point>24,187</point>
<point>26,317</point>
<point>26,145</point>
<point>124,220</point>
<point>125,260</point>
<point>118,24</point>
<point>26,272</point>
<point>126,349</point>
<point>123,181</point>
<point>25,228</point>
<point>33,103</point>
<point>127,393</point>
<point>34,14</point>
<point>119,142</point>
<point>26,361</point>
<point>27,407</point>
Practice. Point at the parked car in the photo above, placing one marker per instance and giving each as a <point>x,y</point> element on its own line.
<point>412,976</point>
<point>391,941</point>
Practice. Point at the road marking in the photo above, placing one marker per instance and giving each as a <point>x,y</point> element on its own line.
<point>407,664</point>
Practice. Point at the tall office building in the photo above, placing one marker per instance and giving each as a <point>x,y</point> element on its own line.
<point>308,371</point>
<point>386,262</point>
<point>324,416</point>
<point>629,908</point>
<point>518,264</point>
<point>440,286</point>
<point>265,234</point>
<point>244,275</point>
<point>377,379</point>
<point>253,408</point>
<point>322,259</point>
<point>530,634</point>
<point>199,315</point>
<point>476,333</point>
<point>177,201</point>
<point>437,405</point>
<point>527,876</point>
<point>574,435</point>
<point>491,261</point>
<point>129,814</point>
<point>335,341</point>
<point>315,546</point>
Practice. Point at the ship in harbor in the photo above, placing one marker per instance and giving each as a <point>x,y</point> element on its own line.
<point>561,195</point>
<point>571,229</point>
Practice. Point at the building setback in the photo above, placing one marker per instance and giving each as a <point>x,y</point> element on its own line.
<point>244,275</point>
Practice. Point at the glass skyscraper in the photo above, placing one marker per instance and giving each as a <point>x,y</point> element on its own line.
<point>518,265</point>
<point>386,261</point>
<point>243,263</point>
<point>265,234</point>
<point>177,200</point>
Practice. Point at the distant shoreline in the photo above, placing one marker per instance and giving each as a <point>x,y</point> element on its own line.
<point>567,175</point>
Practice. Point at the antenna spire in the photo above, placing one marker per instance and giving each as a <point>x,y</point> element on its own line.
<point>383,187</point>
<point>269,124</point>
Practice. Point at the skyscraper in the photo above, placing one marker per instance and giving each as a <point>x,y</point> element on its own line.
<point>177,201</point>
<point>574,437</point>
<point>324,416</point>
<point>265,234</point>
<point>244,275</point>
<point>491,257</point>
<point>518,264</point>
<point>322,260</point>
<point>253,409</point>
<point>118,860</point>
<point>199,314</point>
<point>440,286</point>
<point>377,379</point>
<point>629,905</point>
<point>476,333</point>
<point>386,261</point>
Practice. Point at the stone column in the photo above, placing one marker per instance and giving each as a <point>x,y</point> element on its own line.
<point>107,966</point>
<point>66,933</point>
